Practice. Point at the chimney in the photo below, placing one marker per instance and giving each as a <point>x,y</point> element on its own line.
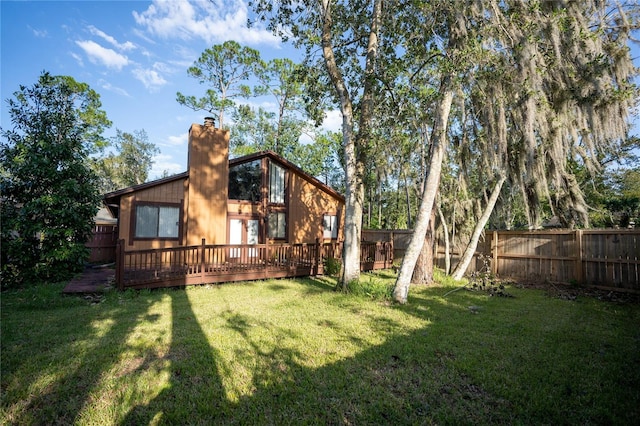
<point>209,122</point>
<point>208,181</point>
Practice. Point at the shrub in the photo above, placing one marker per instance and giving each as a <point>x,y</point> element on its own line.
<point>332,266</point>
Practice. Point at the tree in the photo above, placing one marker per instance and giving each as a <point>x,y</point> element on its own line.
<point>49,191</point>
<point>130,164</point>
<point>562,89</point>
<point>347,34</point>
<point>256,129</point>
<point>224,67</point>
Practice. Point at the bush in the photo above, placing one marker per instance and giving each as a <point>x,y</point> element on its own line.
<point>332,266</point>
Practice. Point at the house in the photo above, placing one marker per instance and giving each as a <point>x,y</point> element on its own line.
<point>256,199</point>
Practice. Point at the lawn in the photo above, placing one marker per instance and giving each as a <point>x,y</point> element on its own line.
<point>295,352</point>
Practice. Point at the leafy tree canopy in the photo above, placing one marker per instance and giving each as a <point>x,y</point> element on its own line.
<point>131,162</point>
<point>49,191</point>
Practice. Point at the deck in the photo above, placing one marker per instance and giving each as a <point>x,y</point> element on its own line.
<point>207,264</point>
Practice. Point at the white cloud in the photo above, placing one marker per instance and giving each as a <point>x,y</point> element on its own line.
<point>332,120</point>
<point>108,86</point>
<point>213,23</point>
<point>150,78</point>
<point>38,33</point>
<point>120,46</point>
<point>178,140</point>
<point>99,54</point>
<point>162,163</point>
<point>78,58</point>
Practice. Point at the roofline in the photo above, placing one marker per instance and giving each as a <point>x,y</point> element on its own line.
<point>239,160</point>
<point>145,185</point>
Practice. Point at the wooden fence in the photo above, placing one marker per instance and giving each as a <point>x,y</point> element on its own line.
<point>608,258</point>
<point>102,246</point>
<point>205,264</point>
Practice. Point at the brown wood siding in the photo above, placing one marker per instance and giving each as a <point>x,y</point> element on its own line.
<point>307,206</point>
<point>171,192</point>
<point>240,207</point>
<point>208,184</point>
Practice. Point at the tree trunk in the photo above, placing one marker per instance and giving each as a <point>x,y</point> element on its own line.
<point>447,245</point>
<point>355,147</point>
<point>432,181</point>
<point>423,271</point>
<point>477,231</point>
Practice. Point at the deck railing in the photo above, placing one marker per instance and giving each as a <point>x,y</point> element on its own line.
<point>204,264</point>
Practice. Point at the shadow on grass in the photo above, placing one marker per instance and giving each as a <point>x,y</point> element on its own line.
<point>460,366</point>
<point>90,344</point>
<point>194,386</point>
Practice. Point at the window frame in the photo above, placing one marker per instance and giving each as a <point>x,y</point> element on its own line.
<point>334,230</point>
<point>272,179</point>
<point>159,205</point>
<point>277,213</point>
<point>255,185</point>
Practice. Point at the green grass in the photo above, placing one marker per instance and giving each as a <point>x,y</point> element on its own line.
<point>295,352</point>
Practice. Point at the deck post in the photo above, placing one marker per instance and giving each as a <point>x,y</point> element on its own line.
<point>202,257</point>
<point>120,265</point>
<point>319,267</point>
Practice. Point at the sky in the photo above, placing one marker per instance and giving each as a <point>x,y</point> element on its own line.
<point>135,54</point>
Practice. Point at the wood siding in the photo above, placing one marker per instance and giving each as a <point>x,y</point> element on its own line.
<point>307,206</point>
<point>206,206</point>
<point>170,192</point>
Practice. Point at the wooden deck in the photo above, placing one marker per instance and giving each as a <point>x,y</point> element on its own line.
<point>91,280</point>
<point>207,264</point>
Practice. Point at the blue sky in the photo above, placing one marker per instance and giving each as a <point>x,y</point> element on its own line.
<point>134,54</point>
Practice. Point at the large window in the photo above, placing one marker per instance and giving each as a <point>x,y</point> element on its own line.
<point>245,181</point>
<point>277,225</point>
<point>155,221</point>
<point>330,226</point>
<point>276,184</point>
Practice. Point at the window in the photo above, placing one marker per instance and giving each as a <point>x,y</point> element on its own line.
<point>245,181</point>
<point>276,184</point>
<point>330,226</point>
<point>153,221</point>
<point>277,222</point>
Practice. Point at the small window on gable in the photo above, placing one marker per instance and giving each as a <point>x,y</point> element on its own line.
<point>245,181</point>
<point>330,226</point>
<point>277,225</point>
<point>276,184</point>
<point>154,221</point>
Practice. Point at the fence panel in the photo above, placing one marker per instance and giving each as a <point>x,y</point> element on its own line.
<point>102,246</point>
<point>611,259</point>
<point>607,258</point>
<point>602,258</point>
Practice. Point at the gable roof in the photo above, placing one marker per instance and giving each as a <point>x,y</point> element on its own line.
<point>112,199</point>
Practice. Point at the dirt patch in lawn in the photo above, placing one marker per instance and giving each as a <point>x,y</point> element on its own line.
<point>575,292</point>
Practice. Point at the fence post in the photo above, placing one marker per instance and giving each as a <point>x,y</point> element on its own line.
<point>578,256</point>
<point>120,265</point>
<point>202,262</point>
<point>494,252</point>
